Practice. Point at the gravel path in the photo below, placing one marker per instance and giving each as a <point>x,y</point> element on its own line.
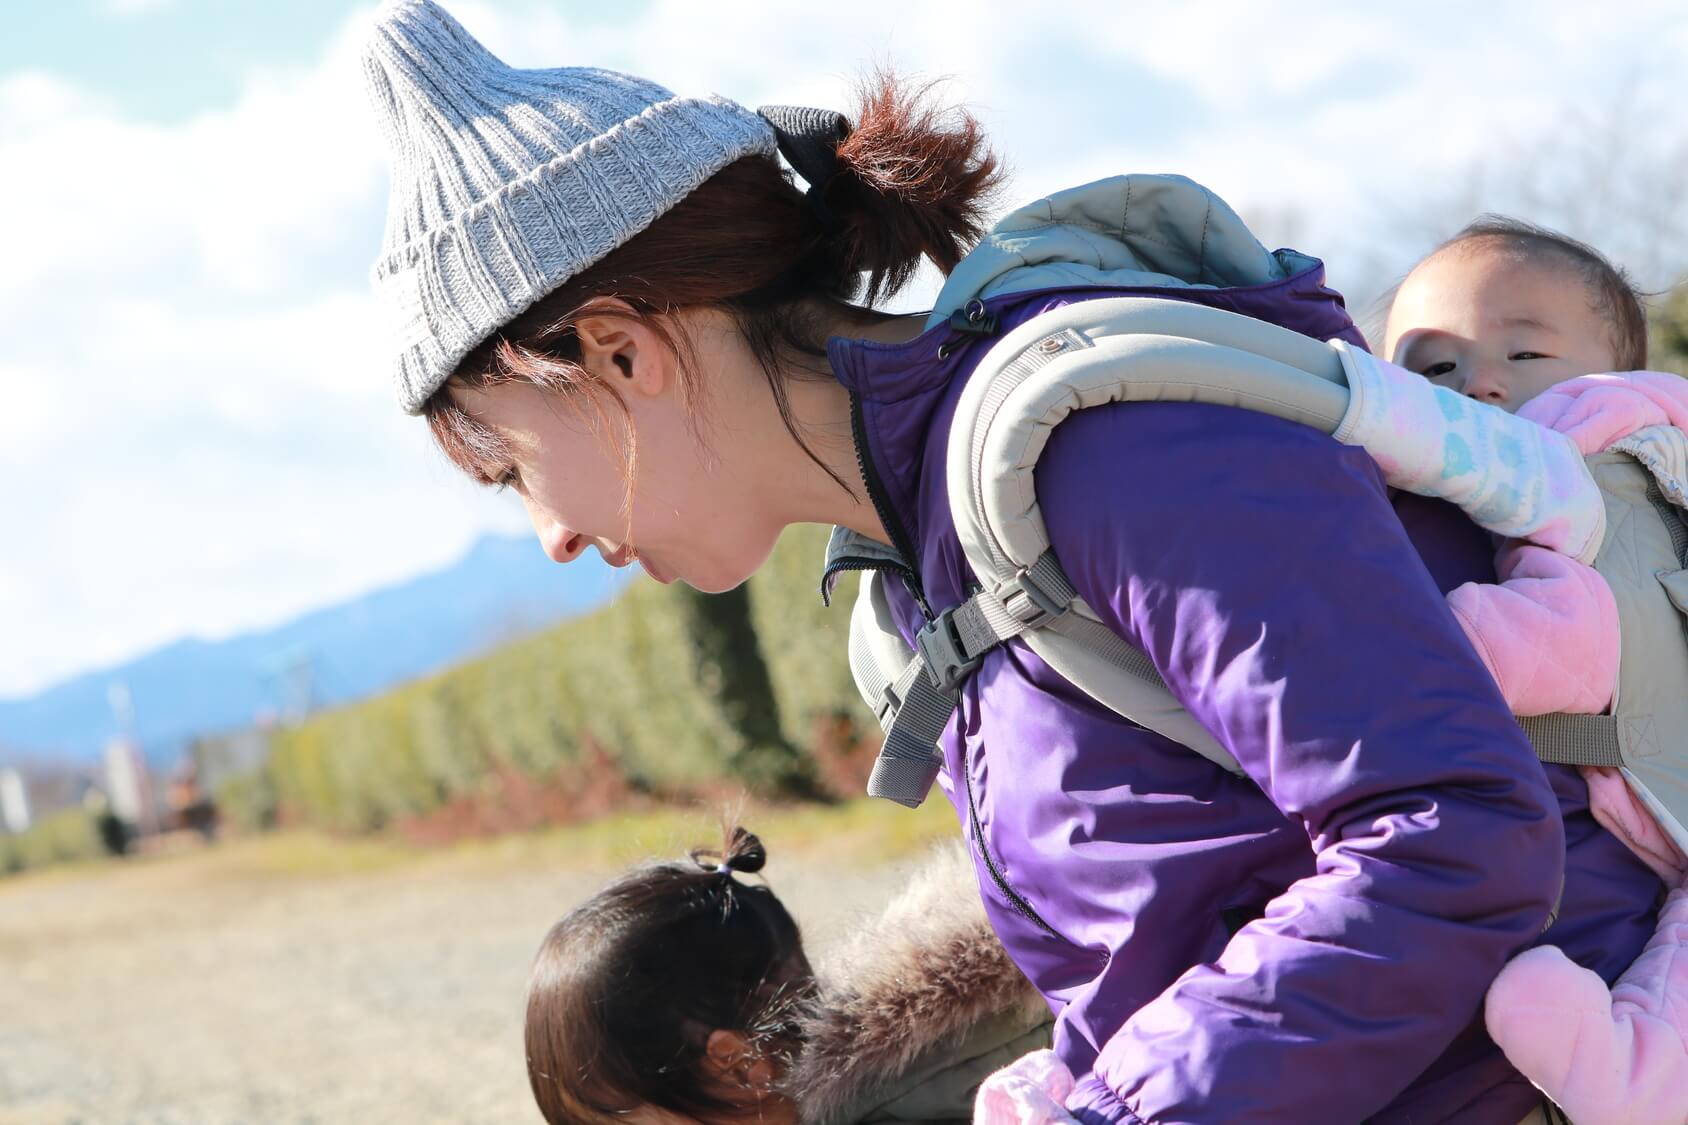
<point>193,989</point>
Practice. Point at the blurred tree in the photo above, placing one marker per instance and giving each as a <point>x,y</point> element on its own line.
<point>1669,333</point>
<point>732,672</point>
<point>1605,173</point>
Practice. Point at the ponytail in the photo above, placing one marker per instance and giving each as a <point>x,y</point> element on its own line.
<point>915,180</point>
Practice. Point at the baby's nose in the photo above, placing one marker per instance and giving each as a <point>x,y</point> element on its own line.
<point>1486,384</point>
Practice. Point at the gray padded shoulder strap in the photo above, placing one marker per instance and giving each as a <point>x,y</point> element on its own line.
<point>1085,354</point>
<point>1122,349</point>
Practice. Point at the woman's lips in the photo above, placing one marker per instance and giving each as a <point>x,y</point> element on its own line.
<point>626,556</point>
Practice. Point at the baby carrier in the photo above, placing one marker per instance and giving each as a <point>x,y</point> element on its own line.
<point>1129,349</point>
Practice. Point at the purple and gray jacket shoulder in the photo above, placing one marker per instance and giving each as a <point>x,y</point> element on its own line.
<point>1311,942</point>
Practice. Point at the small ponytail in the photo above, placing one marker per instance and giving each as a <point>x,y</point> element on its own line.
<point>742,852</point>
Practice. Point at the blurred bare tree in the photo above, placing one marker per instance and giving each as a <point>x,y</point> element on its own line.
<point>1606,173</point>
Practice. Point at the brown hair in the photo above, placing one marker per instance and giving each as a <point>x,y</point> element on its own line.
<point>914,180</point>
<point>628,986</point>
<point>1611,293</point>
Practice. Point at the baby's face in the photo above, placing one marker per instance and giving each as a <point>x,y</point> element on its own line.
<point>1496,326</point>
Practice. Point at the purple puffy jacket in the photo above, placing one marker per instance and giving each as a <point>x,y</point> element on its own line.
<point>1310,943</point>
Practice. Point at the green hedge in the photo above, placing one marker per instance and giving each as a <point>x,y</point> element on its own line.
<point>803,641</point>
<point>63,836</point>
<point>644,682</point>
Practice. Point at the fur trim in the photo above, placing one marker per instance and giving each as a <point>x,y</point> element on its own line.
<point>913,981</point>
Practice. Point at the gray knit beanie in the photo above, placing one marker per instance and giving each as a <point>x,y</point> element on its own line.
<point>507,182</point>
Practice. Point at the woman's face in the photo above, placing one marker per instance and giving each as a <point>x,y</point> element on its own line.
<point>700,511</point>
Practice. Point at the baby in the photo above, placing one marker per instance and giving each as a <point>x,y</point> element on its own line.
<point>1524,319</point>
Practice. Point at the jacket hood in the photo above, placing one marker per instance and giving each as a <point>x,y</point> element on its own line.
<point>1136,231</point>
<point>924,985</point>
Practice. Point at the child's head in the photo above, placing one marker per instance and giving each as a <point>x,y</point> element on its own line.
<point>1504,310</point>
<point>671,995</point>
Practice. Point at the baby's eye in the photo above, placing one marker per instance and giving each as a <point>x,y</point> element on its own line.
<point>1437,370</point>
<point>1527,355</point>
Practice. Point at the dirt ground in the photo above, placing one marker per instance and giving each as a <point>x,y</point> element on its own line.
<point>227,986</point>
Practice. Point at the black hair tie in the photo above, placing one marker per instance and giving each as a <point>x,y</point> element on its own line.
<point>808,138</point>
<point>744,854</point>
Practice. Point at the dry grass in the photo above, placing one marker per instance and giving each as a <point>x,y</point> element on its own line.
<point>295,977</point>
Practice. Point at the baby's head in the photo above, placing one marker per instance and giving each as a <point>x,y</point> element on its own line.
<point>1504,310</point>
<point>672,995</point>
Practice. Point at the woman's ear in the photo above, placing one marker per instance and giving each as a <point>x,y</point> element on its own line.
<point>622,352</point>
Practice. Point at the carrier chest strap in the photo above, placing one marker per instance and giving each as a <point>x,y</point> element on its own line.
<point>1574,740</point>
<point>915,709</point>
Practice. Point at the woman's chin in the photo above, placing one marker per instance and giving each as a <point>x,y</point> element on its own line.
<point>716,580</point>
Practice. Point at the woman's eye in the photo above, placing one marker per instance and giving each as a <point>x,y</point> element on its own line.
<point>509,478</point>
<point>1437,370</point>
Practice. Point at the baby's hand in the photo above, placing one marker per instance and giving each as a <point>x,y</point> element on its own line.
<point>1029,1091</point>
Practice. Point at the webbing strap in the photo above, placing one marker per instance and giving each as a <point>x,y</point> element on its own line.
<point>915,713</point>
<point>1036,595</point>
<point>1574,740</point>
<point>916,708</point>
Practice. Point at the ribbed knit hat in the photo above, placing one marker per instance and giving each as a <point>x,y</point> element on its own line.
<point>507,182</point>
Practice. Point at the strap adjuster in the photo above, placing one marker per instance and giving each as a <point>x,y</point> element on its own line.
<point>1027,602</point>
<point>942,652</point>
<point>885,708</point>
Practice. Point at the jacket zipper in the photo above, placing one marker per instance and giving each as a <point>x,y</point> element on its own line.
<point>844,566</point>
<point>887,518</point>
<point>1020,905</point>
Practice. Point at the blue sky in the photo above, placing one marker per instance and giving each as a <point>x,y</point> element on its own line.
<point>197,435</point>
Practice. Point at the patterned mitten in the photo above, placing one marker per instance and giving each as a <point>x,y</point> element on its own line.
<point>1510,475</point>
<point>1031,1090</point>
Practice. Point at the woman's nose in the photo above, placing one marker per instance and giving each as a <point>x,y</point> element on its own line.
<point>561,544</point>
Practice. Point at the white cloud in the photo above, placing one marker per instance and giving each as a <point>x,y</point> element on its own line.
<point>197,433</point>
<point>136,7</point>
<point>199,436</point>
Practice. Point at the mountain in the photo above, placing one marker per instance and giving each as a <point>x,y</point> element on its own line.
<point>503,587</point>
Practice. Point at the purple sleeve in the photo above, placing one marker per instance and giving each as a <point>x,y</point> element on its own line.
<point>1261,567</point>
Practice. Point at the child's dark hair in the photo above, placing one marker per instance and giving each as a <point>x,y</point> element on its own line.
<point>1613,295</point>
<point>628,986</point>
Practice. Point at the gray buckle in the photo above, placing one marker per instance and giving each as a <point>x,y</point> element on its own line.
<point>941,650</point>
<point>1022,591</point>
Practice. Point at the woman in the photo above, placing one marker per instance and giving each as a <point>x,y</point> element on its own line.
<point>614,301</point>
